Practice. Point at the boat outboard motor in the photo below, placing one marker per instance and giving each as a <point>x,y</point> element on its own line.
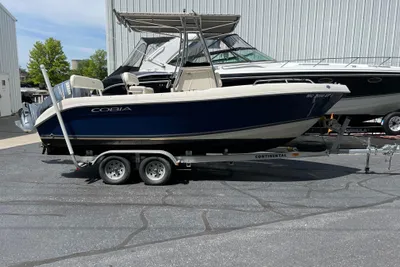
<point>25,118</point>
<point>28,115</point>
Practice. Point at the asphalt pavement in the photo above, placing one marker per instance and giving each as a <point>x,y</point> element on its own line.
<point>8,128</point>
<point>312,212</point>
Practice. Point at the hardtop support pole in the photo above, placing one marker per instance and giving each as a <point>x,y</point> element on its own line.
<point>59,117</point>
<point>181,54</point>
<point>206,51</point>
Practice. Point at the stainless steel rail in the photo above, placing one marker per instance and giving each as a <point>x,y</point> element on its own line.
<point>324,60</point>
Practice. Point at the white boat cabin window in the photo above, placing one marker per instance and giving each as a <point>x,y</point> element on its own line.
<point>224,49</point>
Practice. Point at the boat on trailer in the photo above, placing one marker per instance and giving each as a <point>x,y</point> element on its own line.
<point>374,87</point>
<point>196,117</point>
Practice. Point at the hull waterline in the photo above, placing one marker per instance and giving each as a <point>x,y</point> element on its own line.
<point>258,139</point>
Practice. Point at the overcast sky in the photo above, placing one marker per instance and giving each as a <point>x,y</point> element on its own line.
<point>78,24</point>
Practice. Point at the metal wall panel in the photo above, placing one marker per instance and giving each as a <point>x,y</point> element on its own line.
<point>284,29</point>
<point>9,56</point>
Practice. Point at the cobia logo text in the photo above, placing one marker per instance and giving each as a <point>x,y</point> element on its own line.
<point>111,109</point>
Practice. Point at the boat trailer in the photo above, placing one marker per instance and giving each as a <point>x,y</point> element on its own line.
<point>155,167</point>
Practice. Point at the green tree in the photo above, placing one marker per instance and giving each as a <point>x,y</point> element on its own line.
<point>94,67</point>
<point>98,64</point>
<point>51,55</point>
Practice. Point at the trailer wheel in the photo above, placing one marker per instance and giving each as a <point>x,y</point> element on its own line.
<point>391,123</point>
<point>155,171</point>
<point>115,170</point>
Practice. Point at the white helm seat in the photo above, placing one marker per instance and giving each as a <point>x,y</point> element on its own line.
<point>132,84</point>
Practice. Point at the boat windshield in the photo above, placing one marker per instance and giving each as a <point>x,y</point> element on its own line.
<point>224,49</point>
<point>145,47</point>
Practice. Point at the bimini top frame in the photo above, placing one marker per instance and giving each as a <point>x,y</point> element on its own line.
<point>181,24</point>
<point>169,23</point>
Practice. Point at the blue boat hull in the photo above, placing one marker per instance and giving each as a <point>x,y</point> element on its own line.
<point>184,126</point>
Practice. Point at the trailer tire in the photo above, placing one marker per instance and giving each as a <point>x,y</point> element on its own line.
<point>115,170</point>
<point>391,123</point>
<point>155,171</point>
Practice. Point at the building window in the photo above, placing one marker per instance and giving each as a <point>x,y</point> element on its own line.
<point>3,82</point>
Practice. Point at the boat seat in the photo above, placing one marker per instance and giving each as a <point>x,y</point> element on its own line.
<point>197,78</point>
<point>132,84</point>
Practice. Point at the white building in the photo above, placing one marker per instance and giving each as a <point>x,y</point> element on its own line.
<point>75,63</point>
<point>283,29</point>
<point>10,93</point>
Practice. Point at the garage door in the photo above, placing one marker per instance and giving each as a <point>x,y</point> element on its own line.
<point>5,100</point>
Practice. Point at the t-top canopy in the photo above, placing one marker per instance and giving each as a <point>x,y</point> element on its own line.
<point>208,24</point>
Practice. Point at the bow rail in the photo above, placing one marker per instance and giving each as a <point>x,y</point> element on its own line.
<point>325,61</point>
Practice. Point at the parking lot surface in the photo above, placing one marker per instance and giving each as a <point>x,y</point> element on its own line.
<point>312,212</point>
